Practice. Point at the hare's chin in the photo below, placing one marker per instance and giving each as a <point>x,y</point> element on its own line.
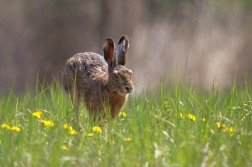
<point>121,93</point>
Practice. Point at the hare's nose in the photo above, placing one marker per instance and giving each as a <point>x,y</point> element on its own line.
<point>129,89</point>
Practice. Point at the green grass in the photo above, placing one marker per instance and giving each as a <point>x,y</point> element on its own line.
<point>158,125</point>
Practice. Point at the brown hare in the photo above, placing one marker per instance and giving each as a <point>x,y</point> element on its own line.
<point>102,82</point>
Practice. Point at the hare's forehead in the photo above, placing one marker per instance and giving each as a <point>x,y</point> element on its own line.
<point>121,70</point>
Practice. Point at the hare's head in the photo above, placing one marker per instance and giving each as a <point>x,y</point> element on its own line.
<point>119,76</point>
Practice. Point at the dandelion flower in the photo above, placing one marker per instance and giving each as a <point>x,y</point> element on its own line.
<point>127,139</point>
<point>231,130</point>
<point>204,119</point>
<point>90,134</point>
<point>97,129</point>
<point>15,128</point>
<point>191,117</point>
<point>5,126</point>
<point>47,123</point>
<point>65,126</point>
<point>225,129</point>
<point>70,127</point>
<point>64,148</point>
<point>73,132</point>
<point>122,114</point>
<point>38,114</point>
<point>221,126</point>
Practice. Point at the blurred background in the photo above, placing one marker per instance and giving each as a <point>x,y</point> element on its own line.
<point>206,42</point>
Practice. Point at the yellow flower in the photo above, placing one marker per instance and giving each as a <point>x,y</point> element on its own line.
<point>204,119</point>
<point>122,114</point>
<point>90,134</point>
<point>181,115</point>
<point>38,114</point>
<point>15,128</point>
<point>191,117</point>
<point>97,129</point>
<point>221,126</point>
<point>225,128</point>
<point>231,130</point>
<point>5,126</point>
<point>47,123</point>
<point>64,148</point>
<point>65,126</point>
<point>70,127</point>
<point>127,139</point>
<point>72,132</point>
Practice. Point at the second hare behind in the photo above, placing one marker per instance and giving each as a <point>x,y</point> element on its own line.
<point>102,82</point>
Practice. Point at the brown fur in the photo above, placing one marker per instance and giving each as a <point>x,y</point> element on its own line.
<point>101,84</point>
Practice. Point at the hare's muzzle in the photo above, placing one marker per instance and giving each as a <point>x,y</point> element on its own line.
<point>129,89</point>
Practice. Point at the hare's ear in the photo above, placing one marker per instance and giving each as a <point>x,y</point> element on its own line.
<point>122,50</point>
<point>108,50</point>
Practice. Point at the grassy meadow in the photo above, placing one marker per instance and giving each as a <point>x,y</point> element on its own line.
<point>178,126</point>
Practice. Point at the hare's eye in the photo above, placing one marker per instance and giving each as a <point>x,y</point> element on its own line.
<point>115,76</point>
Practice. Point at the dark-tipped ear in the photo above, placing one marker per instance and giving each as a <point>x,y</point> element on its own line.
<point>108,50</point>
<point>122,50</point>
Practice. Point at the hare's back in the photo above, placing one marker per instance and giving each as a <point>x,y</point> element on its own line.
<point>89,65</point>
